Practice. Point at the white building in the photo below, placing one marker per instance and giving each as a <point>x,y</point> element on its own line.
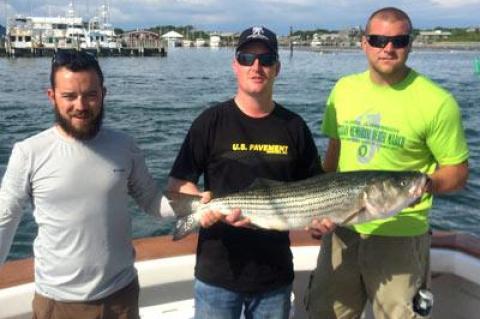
<point>431,36</point>
<point>173,38</point>
<point>326,39</point>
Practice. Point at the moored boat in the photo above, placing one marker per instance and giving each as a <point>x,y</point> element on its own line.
<point>62,32</point>
<point>166,277</point>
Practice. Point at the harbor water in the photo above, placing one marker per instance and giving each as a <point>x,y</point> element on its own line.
<point>155,99</point>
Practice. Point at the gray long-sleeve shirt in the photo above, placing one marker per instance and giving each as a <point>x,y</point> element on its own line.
<point>79,191</point>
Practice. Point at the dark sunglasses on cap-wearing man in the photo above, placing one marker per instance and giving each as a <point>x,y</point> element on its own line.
<point>247,59</point>
<point>381,41</point>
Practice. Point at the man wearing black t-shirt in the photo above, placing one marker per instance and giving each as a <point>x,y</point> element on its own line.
<point>231,145</point>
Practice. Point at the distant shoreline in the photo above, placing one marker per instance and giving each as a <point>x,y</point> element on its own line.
<point>464,46</point>
<point>440,46</point>
<point>450,45</point>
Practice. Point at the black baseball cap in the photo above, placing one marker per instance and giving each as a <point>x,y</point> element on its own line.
<point>258,34</point>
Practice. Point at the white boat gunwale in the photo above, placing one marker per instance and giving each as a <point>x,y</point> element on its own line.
<point>157,258</point>
<point>14,273</point>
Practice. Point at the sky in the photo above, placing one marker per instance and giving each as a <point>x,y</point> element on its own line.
<point>278,15</point>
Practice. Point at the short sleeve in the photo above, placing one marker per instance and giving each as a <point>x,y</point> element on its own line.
<point>310,160</point>
<point>192,158</point>
<point>446,136</point>
<point>329,123</point>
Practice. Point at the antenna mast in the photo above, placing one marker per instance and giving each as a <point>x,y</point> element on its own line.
<point>6,14</point>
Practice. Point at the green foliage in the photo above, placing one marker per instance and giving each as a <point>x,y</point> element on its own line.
<point>461,35</point>
<point>415,32</point>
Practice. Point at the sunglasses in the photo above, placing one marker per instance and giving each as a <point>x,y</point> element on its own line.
<point>66,57</point>
<point>265,59</point>
<point>381,41</point>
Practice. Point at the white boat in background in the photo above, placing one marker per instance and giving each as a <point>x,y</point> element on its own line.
<point>63,32</point>
<point>200,42</point>
<point>215,41</point>
<point>316,41</point>
<point>100,32</point>
<point>187,43</point>
<point>165,271</point>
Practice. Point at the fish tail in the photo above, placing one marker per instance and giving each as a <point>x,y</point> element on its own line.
<point>184,206</point>
<point>184,226</point>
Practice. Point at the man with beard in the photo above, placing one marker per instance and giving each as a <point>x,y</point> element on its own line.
<point>78,175</point>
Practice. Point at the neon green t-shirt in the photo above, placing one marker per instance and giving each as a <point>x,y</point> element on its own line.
<point>412,125</point>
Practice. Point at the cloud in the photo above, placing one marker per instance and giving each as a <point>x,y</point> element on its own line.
<point>297,3</point>
<point>204,3</point>
<point>455,3</point>
<point>223,15</point>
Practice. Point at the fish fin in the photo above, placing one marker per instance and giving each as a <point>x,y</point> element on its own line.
<point>184,226</point>
<point>182,204</point>
<point>257,184</point>
<point>352,216</point>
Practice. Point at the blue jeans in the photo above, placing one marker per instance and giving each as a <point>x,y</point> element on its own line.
<point>213,302</point>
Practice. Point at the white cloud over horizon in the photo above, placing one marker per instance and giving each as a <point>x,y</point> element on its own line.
<point>456,3</point>
<point>236,15</point>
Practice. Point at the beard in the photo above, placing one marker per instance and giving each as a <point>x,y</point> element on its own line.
<point>88,131</point>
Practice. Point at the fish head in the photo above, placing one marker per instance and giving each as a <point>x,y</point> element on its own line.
<point>391,192</point>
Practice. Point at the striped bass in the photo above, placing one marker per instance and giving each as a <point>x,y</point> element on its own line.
<point>346,198</point>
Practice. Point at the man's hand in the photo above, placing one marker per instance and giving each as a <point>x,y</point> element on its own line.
<point>428,186</point>
<point>320,227</point>
<point>234,218</point>
<point>426,189</point>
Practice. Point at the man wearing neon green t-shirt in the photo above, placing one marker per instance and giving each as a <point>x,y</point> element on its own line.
<point>387,118</point>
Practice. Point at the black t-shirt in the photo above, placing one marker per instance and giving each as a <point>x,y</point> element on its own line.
<point>231,150</point>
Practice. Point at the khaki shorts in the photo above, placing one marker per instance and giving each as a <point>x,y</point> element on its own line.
<point>353,268</point>
<point>122,304</point>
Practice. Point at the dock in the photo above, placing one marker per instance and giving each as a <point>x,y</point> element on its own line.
<point>99,52</point>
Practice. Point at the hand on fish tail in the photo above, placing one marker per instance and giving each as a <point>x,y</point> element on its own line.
<point>192,212</point>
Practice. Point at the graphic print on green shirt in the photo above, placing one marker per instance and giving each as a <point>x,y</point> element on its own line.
<point>371,136</point>
<point>413,125</point>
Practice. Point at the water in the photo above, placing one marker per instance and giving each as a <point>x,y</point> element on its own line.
<point>155,100</point>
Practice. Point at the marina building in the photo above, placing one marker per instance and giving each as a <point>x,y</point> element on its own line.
<point>432,36</point>
<point>173,38</point>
